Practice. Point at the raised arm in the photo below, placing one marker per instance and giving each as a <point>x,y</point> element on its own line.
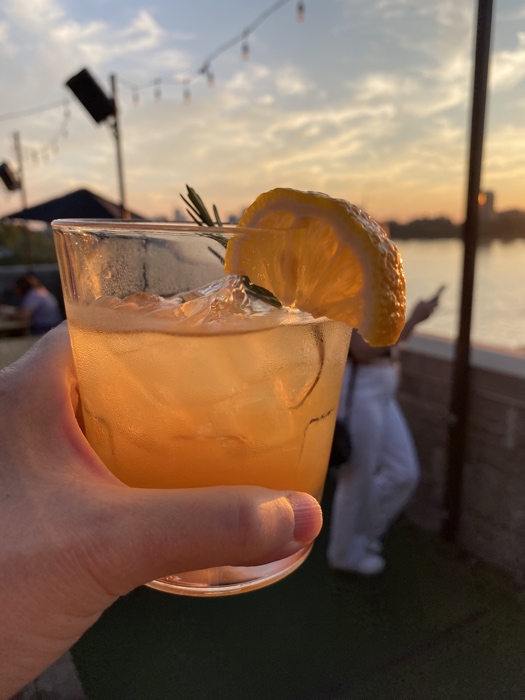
<point>362,353</point>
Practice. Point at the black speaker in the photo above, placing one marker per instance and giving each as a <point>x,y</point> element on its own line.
<point>91,95</point>
<point>9,178</point>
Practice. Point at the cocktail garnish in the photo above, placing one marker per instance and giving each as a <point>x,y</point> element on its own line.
<point>198,210</point>
<point>334,261</point>
<point>201,216</point>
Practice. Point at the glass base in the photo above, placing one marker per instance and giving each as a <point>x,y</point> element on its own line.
<point>230,580</point>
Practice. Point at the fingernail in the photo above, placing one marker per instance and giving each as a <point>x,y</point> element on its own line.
<point>308,517</point>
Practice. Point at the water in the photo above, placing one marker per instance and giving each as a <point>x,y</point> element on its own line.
<point>499,295</point>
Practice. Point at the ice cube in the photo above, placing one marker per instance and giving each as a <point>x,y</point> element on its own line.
<point>224,300</point>
<point>257,414</point>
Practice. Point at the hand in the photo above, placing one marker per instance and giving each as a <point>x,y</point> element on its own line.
<point>423,310</point>
<point>74,538</point>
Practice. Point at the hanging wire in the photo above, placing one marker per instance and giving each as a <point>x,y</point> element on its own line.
<point>32,110</point>
<point>245,50</point>
<point>241,38</point>
<point>157,91</point>
<point>41,153</point>
<point>204,69</point>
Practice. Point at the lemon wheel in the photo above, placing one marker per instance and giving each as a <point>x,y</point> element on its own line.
<point>334,261</point>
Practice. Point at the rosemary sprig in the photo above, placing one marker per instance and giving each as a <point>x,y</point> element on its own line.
<point>201,216</point>
<point>217,217</point>
<point>260,292</point>
<point>198,210</point>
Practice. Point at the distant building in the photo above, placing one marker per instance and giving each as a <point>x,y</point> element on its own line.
<point>79,204</point>
<point>179,215</point>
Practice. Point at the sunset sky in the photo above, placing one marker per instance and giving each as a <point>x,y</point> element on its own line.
<point>365,99</point>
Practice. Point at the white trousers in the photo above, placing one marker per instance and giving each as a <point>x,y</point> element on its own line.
<point>374,487</point>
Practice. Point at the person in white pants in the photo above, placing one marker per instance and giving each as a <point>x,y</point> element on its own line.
<point>378,481</point>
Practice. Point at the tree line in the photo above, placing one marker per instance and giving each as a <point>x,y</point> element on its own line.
<point>16,240</point>
<point>506,225</point>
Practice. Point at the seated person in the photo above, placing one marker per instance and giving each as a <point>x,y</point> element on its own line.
<point>38,306</point>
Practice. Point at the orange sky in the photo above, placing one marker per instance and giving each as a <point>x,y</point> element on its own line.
<point>366,100</point>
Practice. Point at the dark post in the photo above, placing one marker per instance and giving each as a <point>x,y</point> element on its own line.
<point>101,108</point>
<point>22,188</point>
<point>459,404</point>
<point>116,132</point>
<point>8,177</point>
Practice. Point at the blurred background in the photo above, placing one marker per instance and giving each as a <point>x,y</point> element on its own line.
<point>368,100</point>
<point>371,101</point>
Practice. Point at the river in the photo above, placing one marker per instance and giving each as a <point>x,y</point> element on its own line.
<point>499,297</point>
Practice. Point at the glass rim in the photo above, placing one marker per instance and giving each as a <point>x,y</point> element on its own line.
<point>130,227</point>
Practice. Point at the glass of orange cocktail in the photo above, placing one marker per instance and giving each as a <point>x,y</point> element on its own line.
<point>189,377</point>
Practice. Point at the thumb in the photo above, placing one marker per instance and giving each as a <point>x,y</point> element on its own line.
<point>163,532</point>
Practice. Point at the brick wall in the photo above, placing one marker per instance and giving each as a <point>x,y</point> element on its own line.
<point>493,516</point>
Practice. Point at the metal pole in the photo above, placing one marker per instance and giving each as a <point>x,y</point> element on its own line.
<point>459,405</point>
<point>116,133</point>
<point>18,151</point>
<point>21,185</point>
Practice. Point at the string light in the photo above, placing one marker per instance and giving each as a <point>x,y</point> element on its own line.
<point>157,92</point>
<point>38,155</point>
<point>241,39</point>
<point>205,69</point>
<point>207,72</point>
<point>245,46</point>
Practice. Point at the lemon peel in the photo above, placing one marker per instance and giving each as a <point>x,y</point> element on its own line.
<point>334,261</point>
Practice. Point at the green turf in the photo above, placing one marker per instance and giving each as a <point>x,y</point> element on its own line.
<point>431,627</point>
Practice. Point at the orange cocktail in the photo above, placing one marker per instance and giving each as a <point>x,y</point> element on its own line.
<point>226,405</point>
<point>188,378</point>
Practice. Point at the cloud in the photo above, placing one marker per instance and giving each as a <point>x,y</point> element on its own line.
<point>508,66</point>
<point>422,58</point>
<point>99,42</point>
<point>381,108</point>
<point>143,24</point>
<point>382,85</point>
<point>446,13</point>
<point>429,90</point>
<point>289,81</point>
<point>266,100</point>
<point>6,47</point>
<point>247,79</point>
<point>33,15</point>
